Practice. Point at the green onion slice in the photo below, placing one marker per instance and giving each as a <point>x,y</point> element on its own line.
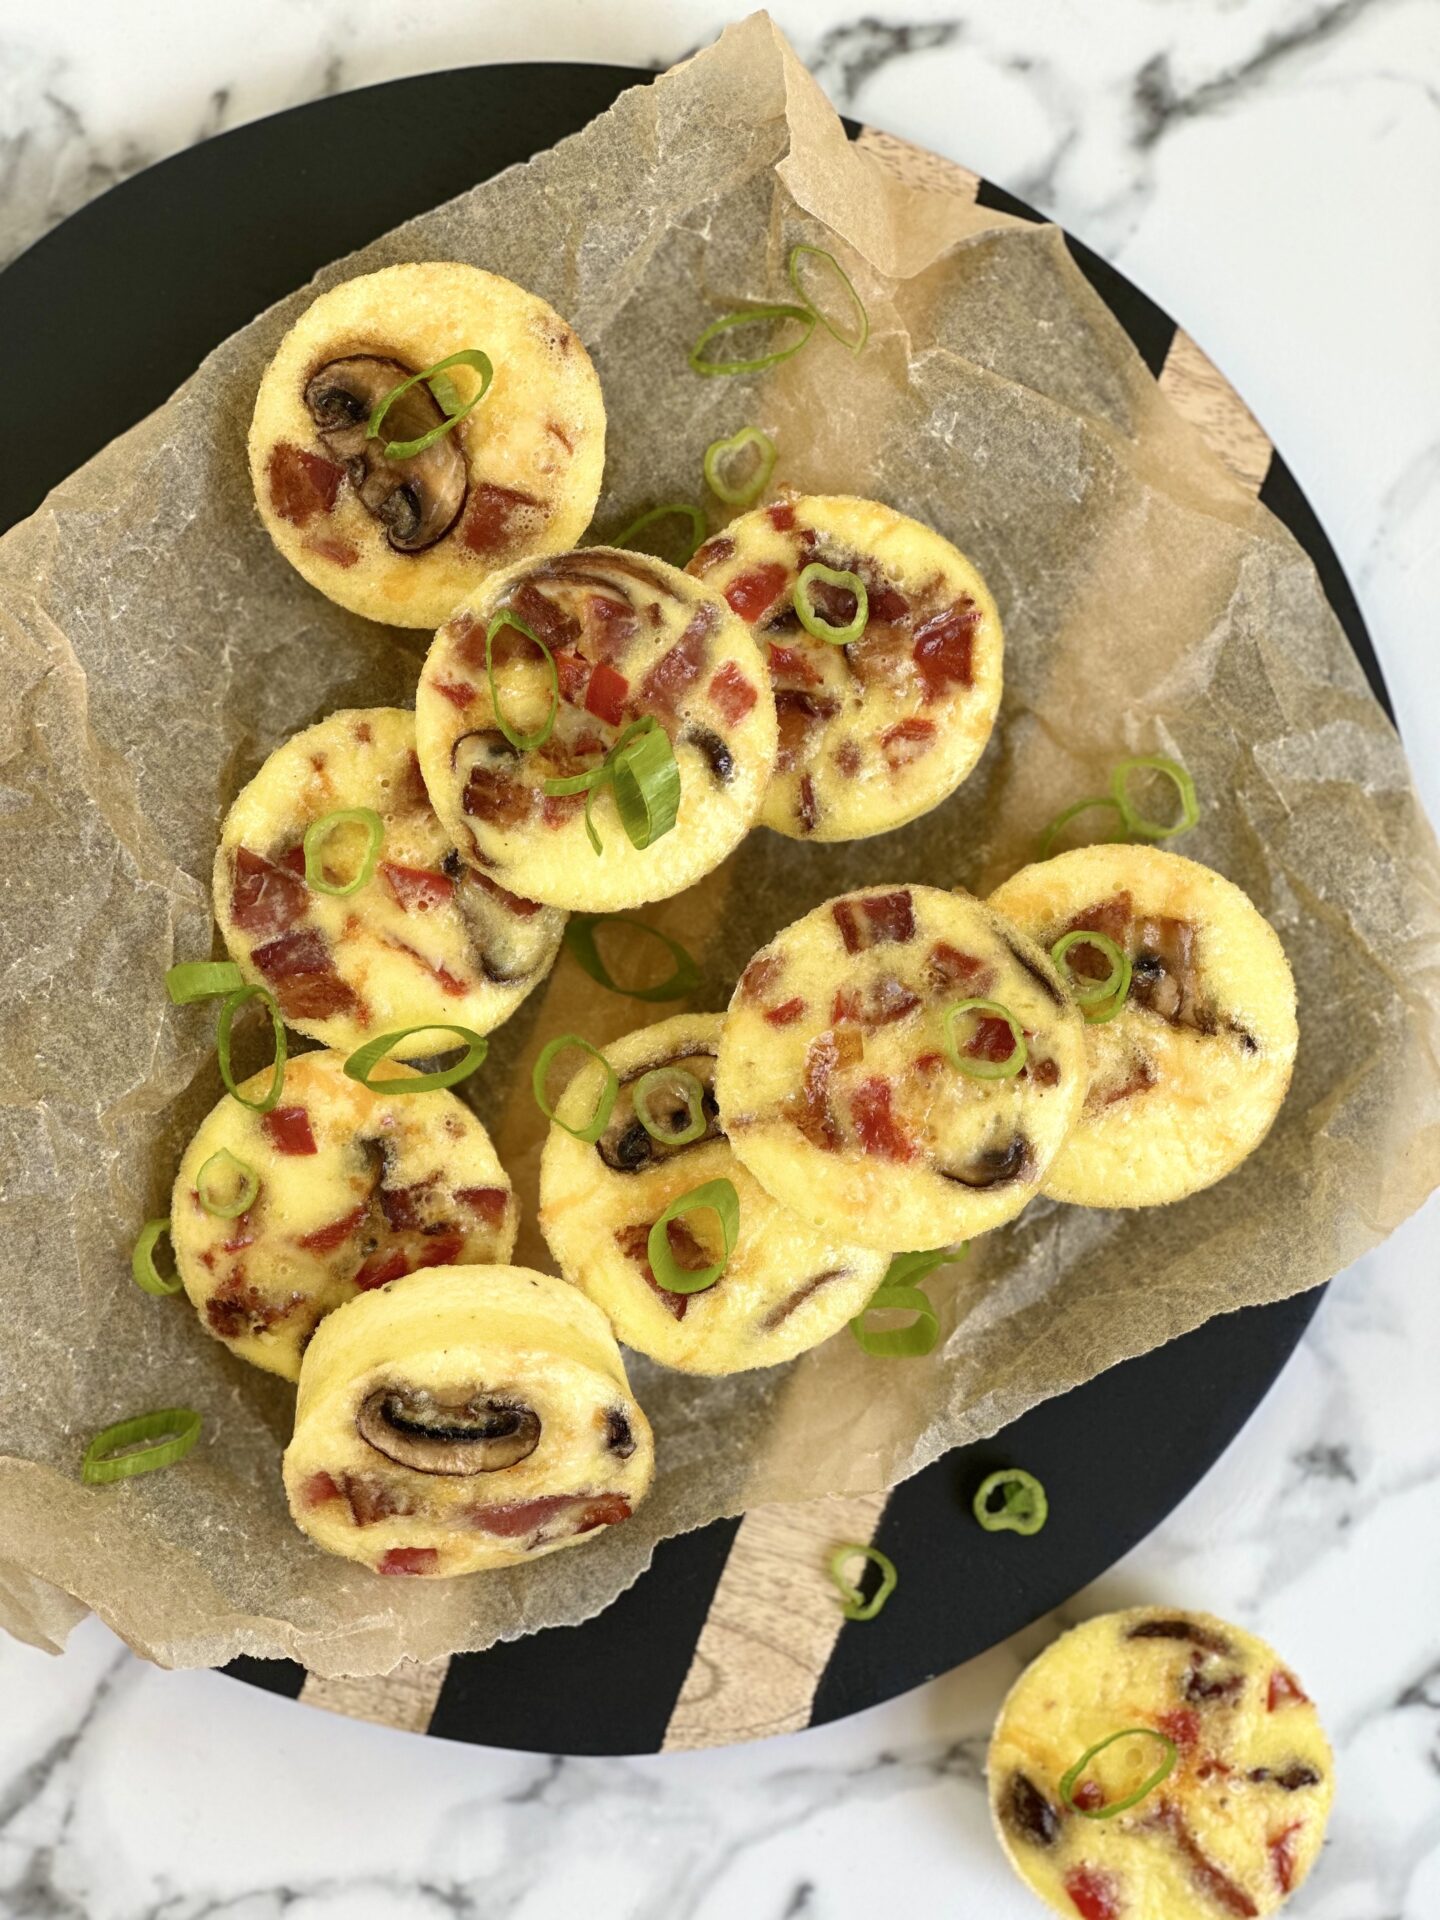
<point>1062,820</point>
<point>1005,1069</point>
<point>120,1452</point>
<point>227,1185</point>
<point>228,1011</point>
<point>524,742</point>
<point>1136,822</point>
<point>900,1343</point>
<point>148,1276</point>
<point>1024,1507</point>
<point>318,833</point>
<point>1071,1779</point>
<point>192,980</point>
<point>580,937</point>
<point>724,1202</point>
<point>854,1603</point>
<point>813,621</point>
<point>646,780</point>
<point>676,1082</point>
<point>363,1062</point>
<point>605,1101</point>
<point>1100,999</point>
<point>446,396</point>
<point>861,332</point>
<point>806,316</point>
<point>720,452</point>
<point>686,512</point>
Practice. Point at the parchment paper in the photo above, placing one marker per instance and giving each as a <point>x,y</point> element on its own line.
<point>153,648</point>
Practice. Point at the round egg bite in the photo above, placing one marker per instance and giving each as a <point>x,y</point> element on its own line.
<point>426,937</point>
<point>350,1189</point>
<point>785,1288</point>
<point>631,639</point>
<point>836,1086</point>
<point>403,538</point>
<point>1187,1077</point>
<point>465,1418</point>
<point>879,731</point>
<point>1233,1829</point>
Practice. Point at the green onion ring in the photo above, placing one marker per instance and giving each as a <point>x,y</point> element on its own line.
<point>898,1343</point>
<point>446,398</point>
<point>106,1459</point>
<point>719,449</point>
<point>1137,822</point>
<point>231,1006</point>
<point>690,1090</point>
<point>191,980</point>
<point>687,512</point>
<point>522,742</point>
<point>1071,1779</point>
<point>727,322</point>
<point>645,778</point>
<point>862,333</point>
<point>363,1062</point>
<point>217,1167</point>
<point>724,1202</point>
<point>1005,1069</point>
<point>580,937</point>
<point>604,1104</point>
<point>1025,1508</point>
<point>148,1276</point>
<point>1101,1000</point>
<point>319,831</point>
<point>814,622</point>
<point>854,1603</point>
<point>1062,820</point>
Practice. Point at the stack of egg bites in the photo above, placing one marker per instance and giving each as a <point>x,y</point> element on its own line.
<point>901,1069</point>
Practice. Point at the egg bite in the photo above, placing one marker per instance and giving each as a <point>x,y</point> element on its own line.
<point>784,1289</point>
<point>424,937</point>
<point>404,537</point>
<point>465,1418</point>
<point>880,730</point>
<point>1235,1826</point>
<point>1187,1077</point>
<point>632,640</point>
<point>278,1218</point>
<point>859,1100</point>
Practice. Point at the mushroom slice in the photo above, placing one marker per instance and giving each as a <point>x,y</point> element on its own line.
<point>626,1147</point>
<point>415,500</point>
<point>994,1166</point>
<point>484,1433</point>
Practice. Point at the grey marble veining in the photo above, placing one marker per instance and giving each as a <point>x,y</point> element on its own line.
<point>1267,169</point>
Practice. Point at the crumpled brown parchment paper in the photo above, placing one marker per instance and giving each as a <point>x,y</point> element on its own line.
<point>153,648</point>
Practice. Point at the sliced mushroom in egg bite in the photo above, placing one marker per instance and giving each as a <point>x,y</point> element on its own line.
<point>649,667</point>
<point>401,523</point>
<point>278,1218</point>
<point>784,1287</point>
<point>467,1418</point>
<point>877,730</point>
<point>900,1067</point>
<point>380,926</point>
<point>1189,1071</point>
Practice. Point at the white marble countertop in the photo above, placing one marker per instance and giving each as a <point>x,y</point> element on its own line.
<point>1267,169</point>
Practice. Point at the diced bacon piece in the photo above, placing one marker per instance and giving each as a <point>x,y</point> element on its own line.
<point>557,808</point>
<point>876,1127</point>
<point>605,696</point>
<point>341,553</point>
<point>494,797</point>
<point>406,1208</point>
<point>798,716</point>
<point>242,1234</point>
<point>448,982</point>
<point>1093,1892</point>
<point>327,1239</point>
<point>572,672</point>
<point>512,903</point>
<point>732,693</point>
<point>928,1063</point>
<point>906,742</point>
<point>488,526</point>
<point>293,858</point>
<point>458,692</point>
<point>874,919</point>
<point>391,1264</point>
<point>786,1014</point>
<point>408,1560</point>
<point>265,898</point>
<point>238,1309</point>
<point>945,648</point>
<point>430,1250</point>
<point>1111,917</point>
<point>992,1039</point>
<point>486,1203</point>
<point>1046,1073</point>
<point>712,554</point>
<point>947,966</point>
<point>288,1130</point>
<point>1282,1856</point>
<point>634,1243</point>
<point>610,624</point>
<point>751,593</point>
<point>301,484</point>
<point>318,1489</point>
<point>887,603</point>
<point>417,889</point>
<point>1088,1796</point>
<point>673,675</point>
<point>761,975</point>
<point>848,759</point>
<point>530,1516</point>
<point>1182,1725</point>
<point>793,665</point>
<point>302,975</point>
<point>1285,1691</point>
<point>372,1500</point>
<point>807,807</point>
<point>809,1109</point>
<point>883,1001</point>
<point>543,616</point>
<point>781,516</point>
